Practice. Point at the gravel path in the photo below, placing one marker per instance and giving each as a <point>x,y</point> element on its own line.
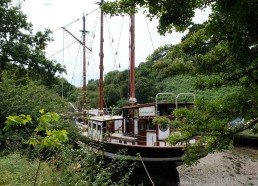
<point>236,167</point>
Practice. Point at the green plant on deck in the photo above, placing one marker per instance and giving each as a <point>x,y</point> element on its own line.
<point>41,138</point>
<point>163,122</point>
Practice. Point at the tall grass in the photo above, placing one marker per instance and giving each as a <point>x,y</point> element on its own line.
<point>17,170</point>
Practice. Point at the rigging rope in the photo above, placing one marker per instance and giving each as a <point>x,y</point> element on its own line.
<point>91,42</point>
<point>62,50</point>
<point>119,39</point>
<point>146,170</point>
<point>149,32</point>
<point>111,40</point>
<point>75,20</point>
<point>62,72</point>
<point>67,24</point>
<point>92,11</point>
<point>76,62</point>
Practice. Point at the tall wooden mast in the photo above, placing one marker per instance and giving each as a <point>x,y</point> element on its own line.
<point>132,98</point>
<point>101,68</point>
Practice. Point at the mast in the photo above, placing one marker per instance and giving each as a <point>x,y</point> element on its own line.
<point>132,98</point>
<point>101,68</point>
<point>84,70</point>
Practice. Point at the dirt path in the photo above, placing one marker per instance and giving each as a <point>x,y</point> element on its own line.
<point>236,167</point>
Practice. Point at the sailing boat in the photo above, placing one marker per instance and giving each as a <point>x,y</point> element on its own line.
<point>134,130</point>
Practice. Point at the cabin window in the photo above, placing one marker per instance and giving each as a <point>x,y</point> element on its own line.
<point>163,128</point>
<point>127,127</point>
<point>99,127</point>
<point>141,126</point>
<point>170,110</point>
<point>94,126</point>
<point>150,126</point>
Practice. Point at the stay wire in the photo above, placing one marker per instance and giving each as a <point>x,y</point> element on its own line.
<point>75,20</point>
<point>76,63</point>
<point>149,32</point>
<point>62,49</point>
<point>67,24</point>
<point>119,39</point>
<point>92,11</point>
<point>110,43</point>
<point>114,56</point>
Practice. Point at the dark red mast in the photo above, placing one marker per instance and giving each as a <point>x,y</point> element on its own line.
<point>132,98</point>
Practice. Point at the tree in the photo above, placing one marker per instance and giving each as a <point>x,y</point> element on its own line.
<point>224,50</point>
<point>172,14</point>
<point>27,99</point>
<point>23,51</point>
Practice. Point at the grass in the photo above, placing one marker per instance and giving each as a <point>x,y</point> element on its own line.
<point>20,171</point>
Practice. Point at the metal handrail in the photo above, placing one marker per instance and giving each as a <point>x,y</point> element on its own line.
<point>185,94</point>
<point>164,93</point>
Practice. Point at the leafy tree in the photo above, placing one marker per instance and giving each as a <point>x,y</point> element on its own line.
<point>115,87</point>
<point>64,88</point>
<point>20,50</point>
<point>93,93</point>
<point>28,99</point>
<point>145,90</point>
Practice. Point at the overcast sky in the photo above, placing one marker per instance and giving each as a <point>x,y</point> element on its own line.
<point>54,14</point>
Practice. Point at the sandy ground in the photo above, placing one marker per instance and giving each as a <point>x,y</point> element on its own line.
<point>236,167</point>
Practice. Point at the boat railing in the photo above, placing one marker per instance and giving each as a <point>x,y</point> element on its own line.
<point>173,95</point>
<point>163,94</point>
<point>186,94</point>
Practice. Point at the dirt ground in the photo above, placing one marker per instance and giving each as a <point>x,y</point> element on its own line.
<point>236,167</point>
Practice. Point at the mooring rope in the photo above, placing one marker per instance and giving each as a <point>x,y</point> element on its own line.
<point>146,170</point>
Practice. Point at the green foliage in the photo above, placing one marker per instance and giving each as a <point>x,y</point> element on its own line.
<point>115,87</point>
<point>209,122</point>
<point>81,166</point>
<point>172,15</point>
<point>65,89</point>
<point>17,121</point>
<point>21,51</point>
<point>161,121</point>
<point>53,138</point>
<point>27,99</point>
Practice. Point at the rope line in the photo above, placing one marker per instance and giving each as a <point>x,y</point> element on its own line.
<point>149,32</point>
<point>62,50</point>
<point>76,63</point>
<point>62,72</point>
<point>92,11</point>
<point>110,41</point>
<point>146,170</point>
<point>75,20</point>
<point>67,24</point>
<point>119,39</point>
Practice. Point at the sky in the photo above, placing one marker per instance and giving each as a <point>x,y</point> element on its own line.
<point>55,14</point>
